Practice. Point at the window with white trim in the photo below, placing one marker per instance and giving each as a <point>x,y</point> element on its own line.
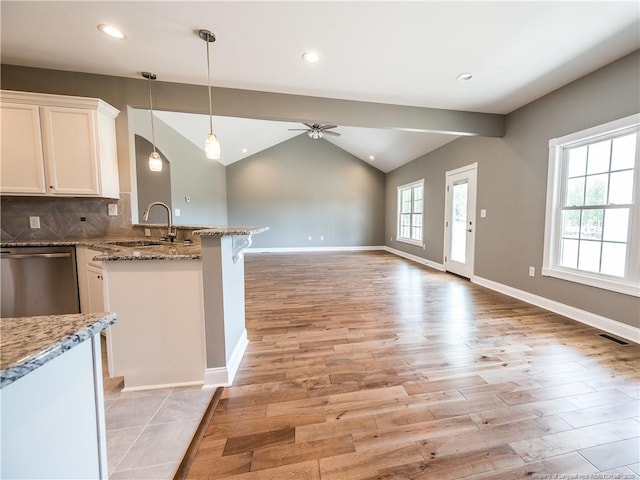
<point>410,207</point>
<point>593,217</point>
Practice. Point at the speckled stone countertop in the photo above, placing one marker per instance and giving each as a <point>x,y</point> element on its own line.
<point>221,231</point>
<point>159,250</point>
<point>29,342</point>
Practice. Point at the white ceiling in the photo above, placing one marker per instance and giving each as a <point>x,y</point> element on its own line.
<point>406,53</point>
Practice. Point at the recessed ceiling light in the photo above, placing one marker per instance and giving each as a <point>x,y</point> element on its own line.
<point>371,157</point>
<point>311,57</point>
<point>244,150</point>
<point>111,31</point>
<point>465,76</point>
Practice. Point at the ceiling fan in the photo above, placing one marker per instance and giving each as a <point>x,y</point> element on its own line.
<point>317,131</point>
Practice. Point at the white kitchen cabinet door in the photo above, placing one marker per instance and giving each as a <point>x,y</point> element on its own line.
<point>95,290</point>
<point>70,150</point>
<point>21,160</point>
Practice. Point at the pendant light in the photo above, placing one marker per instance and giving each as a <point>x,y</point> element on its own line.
<point>211,144</point>
<point>155,162</point>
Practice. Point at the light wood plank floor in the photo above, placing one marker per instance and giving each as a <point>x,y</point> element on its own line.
<point>368,366</point>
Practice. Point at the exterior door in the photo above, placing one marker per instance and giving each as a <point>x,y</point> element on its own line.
<point>460,220</point>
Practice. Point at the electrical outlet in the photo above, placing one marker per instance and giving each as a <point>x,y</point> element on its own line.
<point>34,222</point>
<point>113,209</point>
<point>321,237</point>
<point>532,271</point>
<point>147,232</point>
<point>177,212</point>
<point>391,239</point>
<point>310,238</point>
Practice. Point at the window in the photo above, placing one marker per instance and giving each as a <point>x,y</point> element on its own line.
<point>410,203</point>
<point>593,219</point>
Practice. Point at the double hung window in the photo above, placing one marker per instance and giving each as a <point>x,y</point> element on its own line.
<point>592,221</point>
<point>410,208</point>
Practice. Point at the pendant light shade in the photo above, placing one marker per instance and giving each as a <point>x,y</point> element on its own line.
<point>155,162</point>
<point>211,144</point>
<point>212,147</point>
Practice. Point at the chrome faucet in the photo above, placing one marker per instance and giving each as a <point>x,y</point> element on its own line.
<point>171,231</point>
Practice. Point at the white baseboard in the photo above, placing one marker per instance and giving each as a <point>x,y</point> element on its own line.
<point>233,363</point>
<point>415,258</point>
<point>163,385</point>
<point>223,376</point>
<point>311,249</point>
<point>603,323</point>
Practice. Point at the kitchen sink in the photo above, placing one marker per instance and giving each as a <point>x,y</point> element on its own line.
<point>135,243</point>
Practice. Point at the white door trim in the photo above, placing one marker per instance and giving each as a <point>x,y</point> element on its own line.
<point>472,171</point>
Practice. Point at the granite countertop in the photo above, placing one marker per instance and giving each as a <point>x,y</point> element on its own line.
<point>29,342</point>
<point>221,231</point>
<point>160,250</point>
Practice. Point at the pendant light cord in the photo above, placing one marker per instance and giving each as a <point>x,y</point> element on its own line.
<point>209,82</point>
<point>153,130</point>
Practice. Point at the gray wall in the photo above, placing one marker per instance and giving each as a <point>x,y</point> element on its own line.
<point>304,187</point>
<point>192,174</point>
<point>152,186</point>
<point>512,182</point>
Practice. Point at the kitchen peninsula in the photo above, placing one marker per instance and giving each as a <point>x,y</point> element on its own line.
<point>180,310</point>
<point>51,396</point>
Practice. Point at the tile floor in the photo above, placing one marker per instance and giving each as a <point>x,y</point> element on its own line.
<point>149,431</point>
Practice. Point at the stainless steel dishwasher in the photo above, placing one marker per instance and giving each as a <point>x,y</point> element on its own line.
<point>38,281</point>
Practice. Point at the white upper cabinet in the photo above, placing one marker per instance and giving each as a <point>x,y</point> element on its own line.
<point>58,145</point>
<point>22,167</point>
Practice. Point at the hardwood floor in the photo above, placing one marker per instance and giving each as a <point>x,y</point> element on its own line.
<point>368,366</point>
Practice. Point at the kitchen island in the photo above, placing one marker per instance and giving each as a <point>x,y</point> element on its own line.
<point>51,396</point>
<point>180,310</point>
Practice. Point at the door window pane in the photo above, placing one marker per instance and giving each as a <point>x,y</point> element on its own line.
<point>459,227</point>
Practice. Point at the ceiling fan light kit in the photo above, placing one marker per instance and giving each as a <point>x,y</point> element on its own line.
<point>211,144</point>
<point>317,131</point>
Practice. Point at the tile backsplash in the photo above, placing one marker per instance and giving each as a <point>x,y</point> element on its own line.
<point>64,218</point>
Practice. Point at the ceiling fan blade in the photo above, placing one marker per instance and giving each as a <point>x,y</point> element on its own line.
<point>298,129</point>
<point>326,127</point>
<point>334,134</point>
<point>308,125</point>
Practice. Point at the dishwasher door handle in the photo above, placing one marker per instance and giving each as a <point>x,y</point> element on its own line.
<point>34,255</point>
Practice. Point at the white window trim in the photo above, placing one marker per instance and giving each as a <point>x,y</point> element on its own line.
<point>400,239</point>
<point>552,220</point>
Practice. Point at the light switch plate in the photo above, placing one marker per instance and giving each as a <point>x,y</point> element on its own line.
<point>483,213</point>
<point>34,222</point>
<point>113,209</point>
<point>177,212</point>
